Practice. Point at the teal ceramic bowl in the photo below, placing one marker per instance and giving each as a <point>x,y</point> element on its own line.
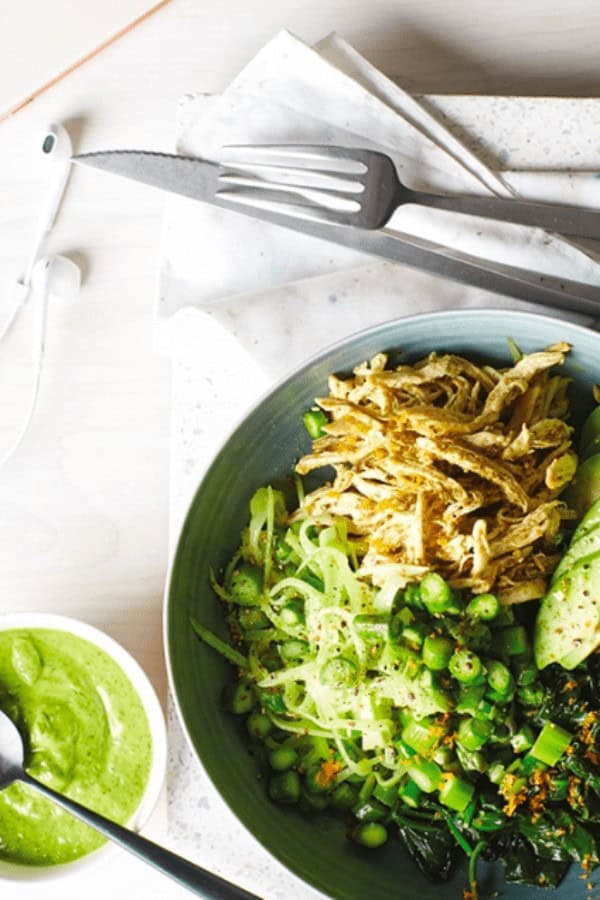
<point>261,450</point>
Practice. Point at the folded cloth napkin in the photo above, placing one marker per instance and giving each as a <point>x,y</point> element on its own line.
<point>241,302</point>
<point>213,259</point>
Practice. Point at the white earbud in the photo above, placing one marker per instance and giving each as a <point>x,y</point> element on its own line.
<point>56,151</point>
<point>52,276</point>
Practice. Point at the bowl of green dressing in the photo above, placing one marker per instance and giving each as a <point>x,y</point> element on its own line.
<point>93,729</point>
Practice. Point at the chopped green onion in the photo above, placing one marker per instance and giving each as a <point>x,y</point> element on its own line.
<point>410,793</point>
<point>499,677</point>
<point>485,607</point>
<point>436,652</point>
<point>474,733</point>
<point>425,774</point>
<point>511,641</point>
<point>412,596</point>
<point>465,666</point>
<point>443,756</point>
<point>523,739</point>
<point>496,772</point>
<point>486,710</point>
<point>217,644</point>
<point>469,699</point>
<point>420,737</point>
<point>386,794</point>
<point>455,793</point>
<point>471,761</point>
<point>415,634</point>
<point>314,422</point>
<point>367,788</point>
<point>551,743</point>
<point>436,593</point>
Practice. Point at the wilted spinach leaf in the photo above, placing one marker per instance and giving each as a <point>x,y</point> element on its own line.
<point>429,843</point>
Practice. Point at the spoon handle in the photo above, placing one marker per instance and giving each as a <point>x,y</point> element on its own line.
<point>198,880</point>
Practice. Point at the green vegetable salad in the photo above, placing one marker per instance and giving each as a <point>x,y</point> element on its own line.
<point>439,719</point>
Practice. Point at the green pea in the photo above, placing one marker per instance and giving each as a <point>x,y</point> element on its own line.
<point>370,834</point>
<point>242,699</point>
<point>344,797</point>
<point>259,726</point>
<point>285,787</point>
<point>283,758</point>
<point>315,782</point>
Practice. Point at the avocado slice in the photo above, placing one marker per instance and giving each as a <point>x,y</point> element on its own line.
<point>567,627</point>
<point>590,428</point>
<point>590,448</point>
<point>589,521</point>
<point>587,544</point>
<point>585,487</point>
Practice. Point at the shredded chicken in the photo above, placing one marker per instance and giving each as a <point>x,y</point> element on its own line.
<point>450,466</point>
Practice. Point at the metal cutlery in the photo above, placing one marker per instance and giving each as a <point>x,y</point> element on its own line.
<point>202,180</point>
<point>353,186</point>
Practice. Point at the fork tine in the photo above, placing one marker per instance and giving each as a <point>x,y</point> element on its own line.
<point>302,195</point>
<point>352,160</point>
<point>285,202</point>
<point>290,175</point>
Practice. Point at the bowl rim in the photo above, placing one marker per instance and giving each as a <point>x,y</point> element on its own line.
<point>17,872</point>
<point>316,358</point>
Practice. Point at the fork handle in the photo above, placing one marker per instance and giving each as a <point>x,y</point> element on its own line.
<point>573,220</point>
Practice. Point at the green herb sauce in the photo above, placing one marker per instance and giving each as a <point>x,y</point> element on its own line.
<point>86,735</point>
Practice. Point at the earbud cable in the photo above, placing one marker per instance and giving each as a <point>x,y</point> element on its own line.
<point>39,351</point>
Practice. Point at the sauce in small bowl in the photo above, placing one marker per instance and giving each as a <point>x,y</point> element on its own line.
<point>93,729</point>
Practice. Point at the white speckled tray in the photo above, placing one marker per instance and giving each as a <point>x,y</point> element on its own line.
<point>215,380</point>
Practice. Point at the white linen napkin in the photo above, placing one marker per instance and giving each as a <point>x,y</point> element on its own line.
<point>226,265</point>
<point>241,302</point>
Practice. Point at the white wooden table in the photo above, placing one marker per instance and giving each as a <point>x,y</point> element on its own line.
<point>84,505</point>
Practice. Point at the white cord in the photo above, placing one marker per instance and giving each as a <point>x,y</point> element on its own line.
<point>38,361</point>
<point>19,294</point>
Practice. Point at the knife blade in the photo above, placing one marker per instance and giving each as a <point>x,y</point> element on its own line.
<point>199,179</point>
